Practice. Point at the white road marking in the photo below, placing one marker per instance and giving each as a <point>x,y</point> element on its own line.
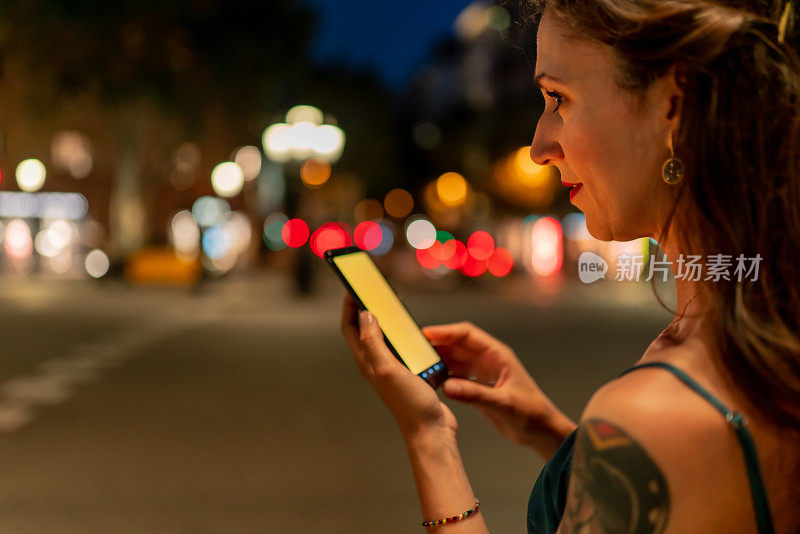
<point>57,377</point>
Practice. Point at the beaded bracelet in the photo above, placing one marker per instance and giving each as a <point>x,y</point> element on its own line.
<point>454,518</point>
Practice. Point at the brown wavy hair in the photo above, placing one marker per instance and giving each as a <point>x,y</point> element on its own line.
<point>739,139</point>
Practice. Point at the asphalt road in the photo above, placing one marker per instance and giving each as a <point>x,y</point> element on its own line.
<point>239,409</point>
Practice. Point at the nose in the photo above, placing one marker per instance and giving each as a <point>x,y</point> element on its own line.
<point>545,149</point>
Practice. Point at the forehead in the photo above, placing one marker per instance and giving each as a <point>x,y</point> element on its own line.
<point>573,61</point>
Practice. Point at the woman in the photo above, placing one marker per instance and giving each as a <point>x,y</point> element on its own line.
<point>681,121</point>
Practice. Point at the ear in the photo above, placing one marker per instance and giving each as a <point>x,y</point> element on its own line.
<point>674,85</point>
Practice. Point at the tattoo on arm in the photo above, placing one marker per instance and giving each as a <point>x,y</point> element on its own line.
<point>615,487</point>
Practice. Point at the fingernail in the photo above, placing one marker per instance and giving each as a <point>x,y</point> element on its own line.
<point>365,318</point>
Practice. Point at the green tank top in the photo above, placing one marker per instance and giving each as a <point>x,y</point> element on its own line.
<point>549,495</point>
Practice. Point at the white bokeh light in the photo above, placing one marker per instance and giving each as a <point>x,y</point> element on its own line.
<point>227,179</point>
<point>184,234</point>
<point>30,175</point>
<point>421,234</point>
<point>249,159</point>
<point>209,211</point>
<point>18,239</point>
<point>304,114</point>
<point>97,263</point>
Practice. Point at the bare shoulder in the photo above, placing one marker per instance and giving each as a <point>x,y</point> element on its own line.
<point>650,456</point>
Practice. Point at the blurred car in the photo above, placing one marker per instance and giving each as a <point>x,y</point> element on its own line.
<point>160,265</point>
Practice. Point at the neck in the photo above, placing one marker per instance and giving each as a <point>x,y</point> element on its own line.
<point>691,300</point>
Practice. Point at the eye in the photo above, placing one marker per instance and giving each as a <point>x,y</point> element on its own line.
<point>558,97</point>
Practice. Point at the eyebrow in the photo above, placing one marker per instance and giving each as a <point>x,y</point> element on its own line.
<point>537,80</point>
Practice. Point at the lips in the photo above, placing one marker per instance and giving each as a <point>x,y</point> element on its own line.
<point>574,191</point>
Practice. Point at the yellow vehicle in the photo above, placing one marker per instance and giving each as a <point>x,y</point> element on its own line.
<point>160,265</point>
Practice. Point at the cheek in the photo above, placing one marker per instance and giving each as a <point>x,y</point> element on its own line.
<point>614,161</point>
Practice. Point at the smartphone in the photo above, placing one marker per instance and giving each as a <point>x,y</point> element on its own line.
<point>371,291</point>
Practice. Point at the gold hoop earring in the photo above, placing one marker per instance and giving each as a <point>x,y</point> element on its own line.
<point>672,169</point>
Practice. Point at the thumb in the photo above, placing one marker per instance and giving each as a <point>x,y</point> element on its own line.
<point>469,391</point>
<point>371,337</point>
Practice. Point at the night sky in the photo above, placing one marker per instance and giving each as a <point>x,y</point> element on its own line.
<point>390,36</point>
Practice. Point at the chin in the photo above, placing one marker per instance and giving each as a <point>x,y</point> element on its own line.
<point>605,231</point>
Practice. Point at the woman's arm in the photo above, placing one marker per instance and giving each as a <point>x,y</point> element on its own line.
<point>442,483</point>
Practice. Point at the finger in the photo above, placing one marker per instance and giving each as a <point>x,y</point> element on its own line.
<point>350,329</point>
<point>471,392</point>
<point>375,349</point>
<point>464,333</point>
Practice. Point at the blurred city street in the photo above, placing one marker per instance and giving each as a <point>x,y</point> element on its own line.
<point>236,408</point>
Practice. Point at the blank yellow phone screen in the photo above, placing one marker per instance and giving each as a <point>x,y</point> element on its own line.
<point>400,329</point>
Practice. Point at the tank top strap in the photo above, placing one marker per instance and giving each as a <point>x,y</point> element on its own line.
<point>738,422</point>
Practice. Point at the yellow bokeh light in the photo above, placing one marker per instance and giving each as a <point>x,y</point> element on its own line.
<point>529,172</point>
<point>315,172</point>
<point>451,188</point>
<point>398,203</point>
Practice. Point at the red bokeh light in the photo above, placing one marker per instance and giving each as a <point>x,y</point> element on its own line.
<point>459,256</point>
<point>480,245</point>
<point>430,257</point>
<point>473,266</point>
<point>295,233</point>
<point>368,235</point>
<point>548,248</point>
<point>501,262</point>
<point>327,237</point>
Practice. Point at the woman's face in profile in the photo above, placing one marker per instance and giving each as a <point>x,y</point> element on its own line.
<point>602,136</point>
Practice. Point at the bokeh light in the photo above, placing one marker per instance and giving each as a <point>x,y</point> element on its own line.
<point>430,258</point>
<point>184,234</point>
<point>227,179</point>
<point>216,242</point>
<point>18,241</point>
<point>273,231</point>
<point>50,243</point>
<point>329,236</point>
<point>295,233</point>
<point>530,173</point>
<point>277,143</point>
<point>240,232</point>
<point>451,188</point>
<point>480,245</point>
<point>72,152</point>
<point>208,210</point>
<point>368,209</point>
<point>501,262</point>
<point>31,174</point>
<point>329,142</point>
<point>249,159</point>
<point>387,238</point>
<point>421,233</point>
<point>546,246</point>
<point>368,235</point>
<point>458,257</point>
<point>97,263</point>
<point>304,113</point>
<point>315,172</point>
<point>444,236</point>
<point>497,18</point>
<point>398,203</point>
<point>474,267</point>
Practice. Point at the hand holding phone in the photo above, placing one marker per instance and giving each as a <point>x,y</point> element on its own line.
<point>371,291</point>
<point>414,404</point>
